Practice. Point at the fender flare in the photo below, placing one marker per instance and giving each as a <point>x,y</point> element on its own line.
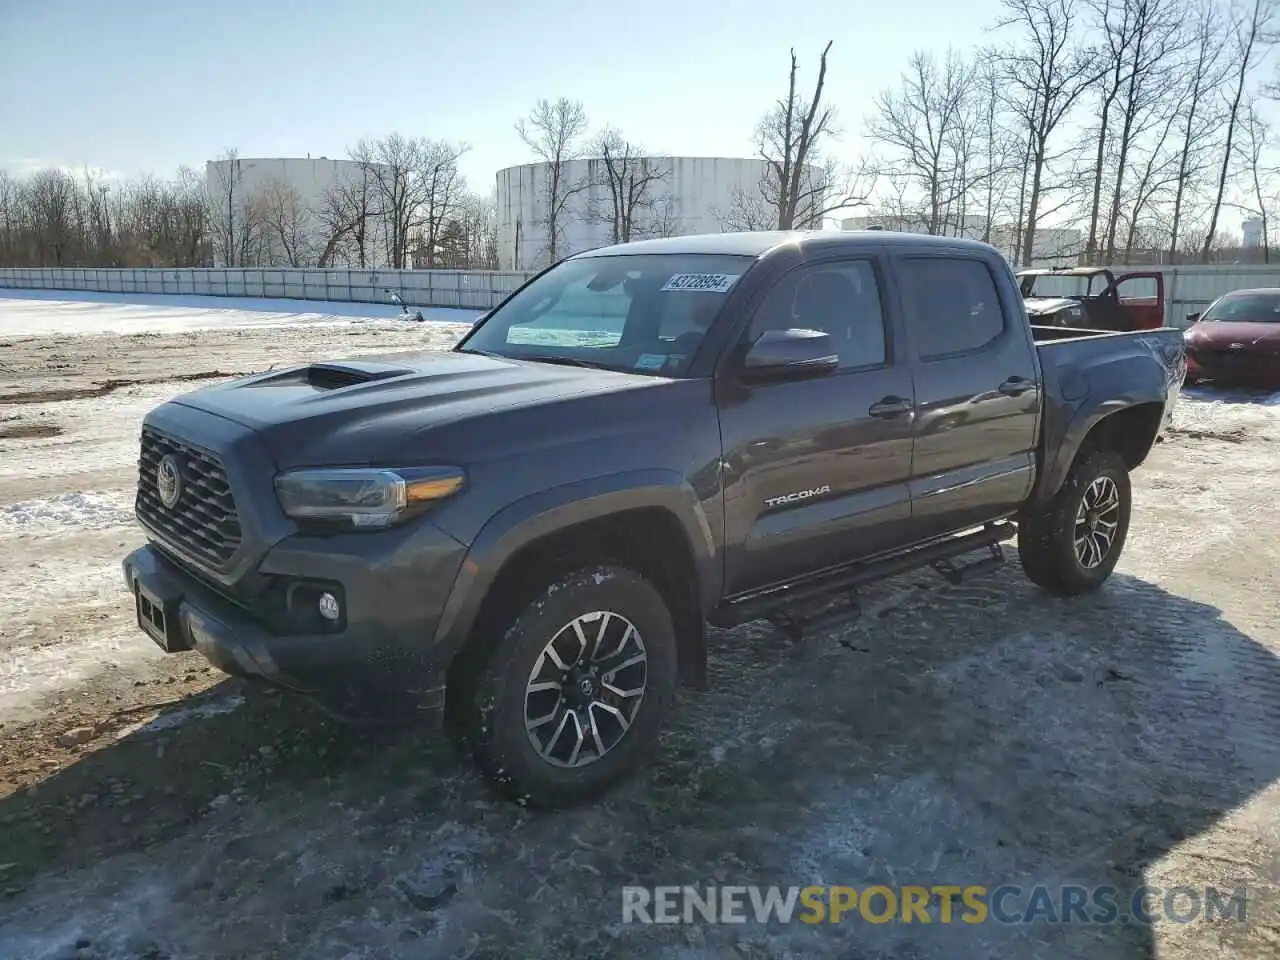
<point>1075,435</point>
<point>548,511</point>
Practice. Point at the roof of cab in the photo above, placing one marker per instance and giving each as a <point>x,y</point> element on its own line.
<point>761,242</point>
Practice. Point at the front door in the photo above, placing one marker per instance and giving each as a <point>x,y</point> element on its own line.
<point>977,390</point>
<point>816,470</point>
<point>1141,298</point>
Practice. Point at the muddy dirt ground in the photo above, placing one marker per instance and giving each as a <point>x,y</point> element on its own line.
<point>975,734</point>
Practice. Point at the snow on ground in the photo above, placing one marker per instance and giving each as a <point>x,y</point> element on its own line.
<point>980,733</point>
<point>37,313</point>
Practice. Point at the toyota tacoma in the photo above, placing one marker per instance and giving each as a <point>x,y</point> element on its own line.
<point>524,538</point>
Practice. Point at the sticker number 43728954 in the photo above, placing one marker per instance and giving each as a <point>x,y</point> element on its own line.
<point>701,282</point>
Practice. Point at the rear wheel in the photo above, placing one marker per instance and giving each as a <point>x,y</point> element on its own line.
<point>1072,544</point>
<point>574,694</point>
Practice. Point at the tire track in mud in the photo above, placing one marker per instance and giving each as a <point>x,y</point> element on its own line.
<point>105,387</point>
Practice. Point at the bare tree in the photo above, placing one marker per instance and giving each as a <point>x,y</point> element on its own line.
<point>925,122</point>
<point>1156,39</point>
<point>1255,138</point>
<point>392,165</point>
<point>1002,152</point>
<point>289,224</point>
<point>442,189</point>
<point>1046,71</point>
<point>54,209</point>
<point>554,132</point>
<point>1115,26</point>
<point>1251,34</point>
<point>1204,70</point>
<point>346,218</point>
<point>629,180</point>
<point>747,210</point>
<point>479,219</point>
<point>1157,172</point>
<point>800,184</point>
<point>236,229</point>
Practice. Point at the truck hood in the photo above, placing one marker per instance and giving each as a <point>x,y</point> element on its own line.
<point>371,411</point>
<point>1224,333</point>
<point>1038,306</point>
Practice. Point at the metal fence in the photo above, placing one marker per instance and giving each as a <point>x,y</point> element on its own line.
<point>1188,288</point>
<point>478,290</point>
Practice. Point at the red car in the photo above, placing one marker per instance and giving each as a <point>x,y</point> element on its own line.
<point>1236,341</point>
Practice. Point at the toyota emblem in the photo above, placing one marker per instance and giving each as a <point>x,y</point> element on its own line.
<point>169,481</point>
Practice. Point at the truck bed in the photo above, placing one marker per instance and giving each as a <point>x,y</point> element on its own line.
<point>1077,363</point>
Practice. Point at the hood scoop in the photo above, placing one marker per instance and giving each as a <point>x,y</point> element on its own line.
<point>334,376</point>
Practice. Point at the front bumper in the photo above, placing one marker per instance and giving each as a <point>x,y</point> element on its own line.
<point>376,662</point>
<point>1244,368</point>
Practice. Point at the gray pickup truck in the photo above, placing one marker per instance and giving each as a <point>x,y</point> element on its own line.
<point>527,535</point>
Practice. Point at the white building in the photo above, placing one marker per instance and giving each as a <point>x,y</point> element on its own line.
<point>1252,231</point>
<point>279,211</point>
<point>683,195</point>
<point>1051,246</point>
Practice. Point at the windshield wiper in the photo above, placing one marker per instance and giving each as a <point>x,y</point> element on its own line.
<point>565,361</point>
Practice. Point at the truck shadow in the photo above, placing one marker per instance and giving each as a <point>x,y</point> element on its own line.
<point>982,734</point>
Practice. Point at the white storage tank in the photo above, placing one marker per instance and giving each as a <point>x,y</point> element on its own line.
<point>686,195</point>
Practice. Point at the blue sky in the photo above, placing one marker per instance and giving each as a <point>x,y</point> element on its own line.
<point>133,86</point>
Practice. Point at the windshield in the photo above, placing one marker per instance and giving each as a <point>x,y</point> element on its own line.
<point>1068,286</point>
<point>1245,308</point>
<point>640,313</point>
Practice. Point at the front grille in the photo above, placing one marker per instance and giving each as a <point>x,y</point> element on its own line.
<point>203,521</point>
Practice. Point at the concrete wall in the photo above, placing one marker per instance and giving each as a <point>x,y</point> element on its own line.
<point>694,195</point>
<point>301,185</point>
<point>1188,289</point>
<point>422,288</point>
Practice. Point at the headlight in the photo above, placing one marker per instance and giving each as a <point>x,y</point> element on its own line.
<point>361,499</point>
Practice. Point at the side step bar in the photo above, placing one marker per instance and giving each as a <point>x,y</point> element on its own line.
<point>782,604</point>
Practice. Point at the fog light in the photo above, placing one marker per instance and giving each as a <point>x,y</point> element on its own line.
<point>329,607</point>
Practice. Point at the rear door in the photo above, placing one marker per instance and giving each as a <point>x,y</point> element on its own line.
<point>977,391</point>
<point>816,470</point>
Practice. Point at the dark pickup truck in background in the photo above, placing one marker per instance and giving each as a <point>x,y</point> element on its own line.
<point>529,533</point>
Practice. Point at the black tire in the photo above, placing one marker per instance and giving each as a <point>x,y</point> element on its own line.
<point>1047,538</point>
<point>495,716</point>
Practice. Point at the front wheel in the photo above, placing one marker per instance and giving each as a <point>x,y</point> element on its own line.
<point>572,698</point>
<point>1072,544</point>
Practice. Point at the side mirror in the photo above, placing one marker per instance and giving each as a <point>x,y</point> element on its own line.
<point>789,355</point>
<point>1193,318</point>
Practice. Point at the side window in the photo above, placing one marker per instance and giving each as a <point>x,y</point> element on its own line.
<point>840,298</point>
<point>952,305</point>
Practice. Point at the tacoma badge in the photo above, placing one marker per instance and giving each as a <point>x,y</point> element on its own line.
<point>798,495</point>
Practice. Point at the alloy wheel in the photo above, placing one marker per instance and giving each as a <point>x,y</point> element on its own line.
<point>1097,522</point>
<point>585,689</point>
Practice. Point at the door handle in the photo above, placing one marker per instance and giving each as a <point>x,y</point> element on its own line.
<point>1016,386</point>
<point>890,406</point>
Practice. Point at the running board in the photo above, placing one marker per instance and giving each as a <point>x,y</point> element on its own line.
<point>783,605</point>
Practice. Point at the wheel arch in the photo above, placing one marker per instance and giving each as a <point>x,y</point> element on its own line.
<point>651,520</point>
<point>1129,429</point>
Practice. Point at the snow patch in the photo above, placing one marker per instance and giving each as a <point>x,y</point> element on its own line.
<point>181,717</point>
<point>37,672</point>
<point>77,511</point>
<point>46,313</point>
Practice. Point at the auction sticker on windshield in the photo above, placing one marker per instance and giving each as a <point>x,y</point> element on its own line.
<point>702,282</point>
